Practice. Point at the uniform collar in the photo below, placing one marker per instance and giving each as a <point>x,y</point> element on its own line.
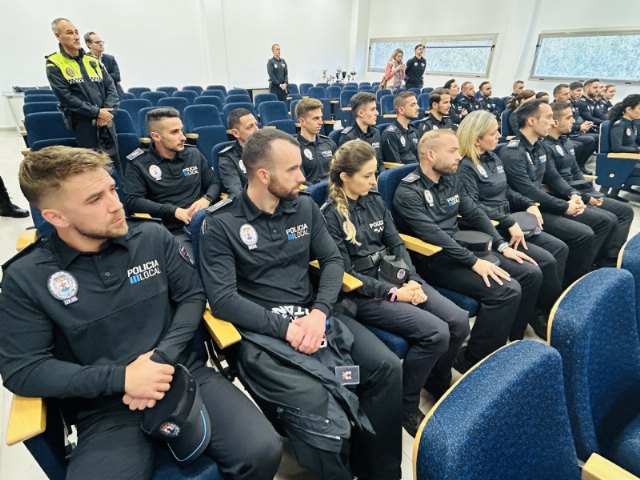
<point>525,142</point>
<point>304,142</point>
<point>81,52</point>
<point>361,133</point>
<point>65,254</point>
<point>251,212</point>
<point>160,158</point>
<point>399,125</point>
<point>426,181</point>
<point>554,140</point>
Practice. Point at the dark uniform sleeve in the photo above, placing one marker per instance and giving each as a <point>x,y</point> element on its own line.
<point>324,249</point>
<point>286,73</point>
<point>115,73</point>
<point>411,207</point>
<point>187,296</point>
<point>395,245</point>
<point>136,193</point>
<point>27,363</point>
<point>616,134</point>
<point>229,178</point>
<point>371,287</point>
<point>390,149</point>
<point>518,178</point>
<point>583,108</point>
<point>554,180</point>
<point>517,201</point>
<point>112,100</point>
<point>218,270</point>
<point>469,183</point>
<point>68,101</point>
<point>271,72</point>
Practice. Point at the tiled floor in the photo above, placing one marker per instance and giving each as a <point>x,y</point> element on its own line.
<point>16,462</point>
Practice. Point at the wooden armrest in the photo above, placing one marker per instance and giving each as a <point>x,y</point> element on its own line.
<point>303,187</point>
<point>599,468</point>
<point>192,136</point>
<point>510,137</point>
<point>390,115</point>
<point>329,122</point>
<point>224,195</point>
<point>145,140</point>
<point>591,178</point>
<point>349,282</point>
<point>142,215</point>
<point>346,109</point>
<point>334,101</point>
<point>625,156</point>
<point>26,238</point>
<point>416,245</point>
<point>27,419</point>
<point>392,164</point>
<point>229,132</point>
<point>222,332</point>
<point>269,127</point>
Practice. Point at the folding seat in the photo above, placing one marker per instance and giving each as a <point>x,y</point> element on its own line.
<point>208,137</point>
<point>178,103</point>
<point>264,97</point>
<point>137,91</point>
<point>214,93</point>
<point>427,90</point>
<point>194,88</point>
<point>36,107</point>
<point>614,170</point>
<point>200,116</point>
<point>190,95</point>
<point>382,92</point>
<point>129,96</point>
<point>505,127</point>
<point>220,88</point>
<point>214,157</point>
<point>345,98</point>
<point>629,259</point>
<point>127,143</point>
<point>386,105</point>
<point>317,92</point>
<point>209,100</point>
<point>365,84</point>
<point>304,88</point>
<point>423,101</point>
<point>124,122</point>
<point>133,107</point>
<point>322,84</point>
<point>594,326</point>
<point>238,91</point>
<point>292,111</point>
<point>229,107</point>
<point>37,91</point>
<point>293,89</point>
<point>168,90</point>
<point>333,92</point>
<point>46,126</point>
<point>270,111</point>
<point>415,91</point>
<point>142,123</point>
<point>237,97</point>
<point>153,97</point>
<point>286,125</point>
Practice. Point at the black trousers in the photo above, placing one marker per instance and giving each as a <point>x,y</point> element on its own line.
<point>281,94</point>
<point>585,145</point>
<point>434,330</point>
<point>585,235</point>
<point>111,444</point>
<point>87,137</point>
<point>500,305</point>
<point>623,214</point>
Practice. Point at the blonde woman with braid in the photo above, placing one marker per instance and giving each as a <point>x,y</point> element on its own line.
<point>393,297</point>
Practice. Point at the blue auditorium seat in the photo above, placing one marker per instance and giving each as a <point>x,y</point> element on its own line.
<point>124,122</point>
<point>220,88</point>
<point>214,157</point>
<point>190,95</point>
<point>137,91</point>
<point>264,97</point>
<point>153,97</point>
<point>317,92</point>
<point>505,127</point>
<point>208,137</point>
<point>238,91</point>
<point>174,102</point>
<point>168,90</point>
<point>38,107</point>
<point>304,88</point>
<point>333,92</point>
<point>47,97</point>
<point>629,259</point>
<point>133,107</point>
<point>286,125</point>
<point>386,105</point>
<point>194,88</point>
<point>200,116</point>
<point>45,126</point>
<point>210,100</point>
<point>214,93</point>
<point>237,97</point>
<point>615,170</point>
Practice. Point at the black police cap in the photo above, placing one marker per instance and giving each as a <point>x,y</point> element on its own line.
<point>479,243</point>
<point>528,223</point>
<point>393,270</point>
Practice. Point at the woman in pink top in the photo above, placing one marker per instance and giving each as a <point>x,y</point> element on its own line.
<point>394,73</point>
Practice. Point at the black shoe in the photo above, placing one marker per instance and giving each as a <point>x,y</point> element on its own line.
<point>411,421</point>
<point>11,210</point>
<point>460,363</point>
<point>539,326</point>
<point>436,387</point>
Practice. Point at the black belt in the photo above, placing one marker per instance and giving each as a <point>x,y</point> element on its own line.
<point>368,262</point>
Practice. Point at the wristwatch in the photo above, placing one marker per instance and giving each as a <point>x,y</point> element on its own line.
<point>207,197</point>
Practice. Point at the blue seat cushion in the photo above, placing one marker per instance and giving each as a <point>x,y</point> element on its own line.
<point>624,449</point>
<point>396,344</point>
<point>469,304</point>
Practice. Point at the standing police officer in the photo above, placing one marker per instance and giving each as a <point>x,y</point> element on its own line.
<point>255,250</point>
<point>365,112</point>
<point>278,74</point>
<point>400,139</point>
<point>97,315</point>
<point>316,149</point>
<point>88,98</point>
<point>171,180</point>
<point>231,170</point>
<point>427,203</point>
<point>415,68</point>
<point>438,117</point>
<point>526,163</point>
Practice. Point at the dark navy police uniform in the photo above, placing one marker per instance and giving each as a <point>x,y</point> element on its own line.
<point>435,329</point>
<point>316,157</point>
<point>429,211</point>
<point>486,185</point>
<point>371,136</point>
<point>253,262</point>
<point>278,74</point>
<point>623,137</point>
<point>432,123</point>
<point>399,144</point>
<point>415,72</point>
<point>72,322</point>
<point>231,169</point>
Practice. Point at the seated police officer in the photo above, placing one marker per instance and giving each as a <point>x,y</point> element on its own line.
<point>316,149</point>
<point>415,68</point>
<point>457,111</point>
<point>427,203</point>
<point>588,102</point>
<point>482,175</point>
<point>467,99</point>
<point>400,139</point>
<point>623,134</point>
<point>560,150</point>
<point>98,315</point>
<point>569,219</point>
<point>438,116</point>
<point>255,250</point>
<point>486,101</point>
<point>171,180</point>
<point>393,296</point>
<point>233,174</point>
<point>365,113</point>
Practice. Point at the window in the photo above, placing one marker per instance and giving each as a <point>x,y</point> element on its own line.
<point>582,55</point>
<point>445,55</point>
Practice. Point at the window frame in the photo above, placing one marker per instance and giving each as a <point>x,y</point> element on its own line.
<point>573,34</point>
<point>490,37</point>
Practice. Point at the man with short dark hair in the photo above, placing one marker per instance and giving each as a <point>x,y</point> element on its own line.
<point>588,103</point>
<point>170,180</point>
<point>99,316</point>
<point>278,72</point>
<point>316,149</point>
<point>486,101</point>
<point>468,100</point>
<point>365,112</point>
<point>527,165</point>
<point>400,139</point>
<point>96,47</point>
<point>415,68</point>
<point>438,116</point>
<point>231,169</point>
<point>255,250</point>
<point>457,111</point>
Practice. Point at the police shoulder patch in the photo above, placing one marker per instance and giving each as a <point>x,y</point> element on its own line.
<point>347,130</point>
<point>220,204</point>
<point>323,137</point>
<point>135,154</point>
<point>412,177</point>
<point>513,143</point>
<point>391,128</point>
<point>618,122</point>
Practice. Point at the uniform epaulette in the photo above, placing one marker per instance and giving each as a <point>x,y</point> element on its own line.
<point>412,177</point>
<point>326,204</point>
<point>326,137</point>
<point>23,252</point>
<point>218,205</point>
<point>347,129</point>
<point>135,154</point>
<point>47,56</point>
<point>189,145</point>
<point>136,218</point>
<point>226,149</point>
<point>391,128</point>
<point>617,122</point>
<point>513,143</point>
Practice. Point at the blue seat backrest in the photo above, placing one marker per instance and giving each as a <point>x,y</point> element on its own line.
<point>605,140</point>
<point>133,106</point>
<point>345,97</point>
<point>386,104</point>
<point>390,179</point>
<point>208,137</point>
<point>427,90</point>
<point>505,127</point>
<point>286,125</point>
<point>238,91</point>
<point>293,89</point>
<point>127,143</point>
<point>505,419</point>
<point>175,102</point>
<point>335,135</point>
<point>201,116</point>
<point>36,91</point>
<point>40,98</point>
<point>168,90</point>
<point>423,101</point>
<point>194,88</point>
<point>317,92</point>
<point>382,92</point>
<point>210,100</point>
<point>629,259</point>
<point>333,92</point>
<point>274,110</point>
<point>190,95</point>
<point>237,97</point>
<point>214,93</point>
<point>37,107</point>
<point>264,97</point>
<point>124,122</point>
<point>137,91</point>
<point>318,192</point>
<point>220,88</point>
<point>153,97</point>
<point>304,88</point>
<point>215,152</point>
<point>45,126</point>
